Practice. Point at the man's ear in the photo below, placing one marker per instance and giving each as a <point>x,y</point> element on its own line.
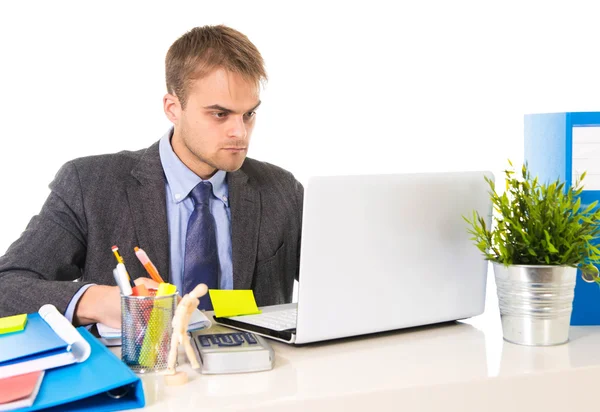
<point>172,108</point>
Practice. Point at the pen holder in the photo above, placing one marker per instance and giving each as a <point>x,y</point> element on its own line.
<point>146,331</point>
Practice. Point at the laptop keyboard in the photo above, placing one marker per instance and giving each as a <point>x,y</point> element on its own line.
<point>278,320</point>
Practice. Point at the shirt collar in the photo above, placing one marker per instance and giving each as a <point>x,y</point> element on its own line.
<point>182,180</point>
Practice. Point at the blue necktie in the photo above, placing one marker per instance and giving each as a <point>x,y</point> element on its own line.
<point>201,262</point>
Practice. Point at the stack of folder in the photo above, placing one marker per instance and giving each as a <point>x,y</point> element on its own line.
<point>48,363</point>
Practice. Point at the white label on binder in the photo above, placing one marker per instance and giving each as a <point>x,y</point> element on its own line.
<point>586,156</point>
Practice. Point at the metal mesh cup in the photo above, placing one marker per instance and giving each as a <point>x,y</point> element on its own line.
<point>146,331</point>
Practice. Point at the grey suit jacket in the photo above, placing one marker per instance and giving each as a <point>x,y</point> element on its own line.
<point>119,199</point>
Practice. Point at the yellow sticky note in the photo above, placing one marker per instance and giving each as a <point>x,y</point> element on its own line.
<point>165,289</point>
<point>233,302</point>
<point>12,323</point>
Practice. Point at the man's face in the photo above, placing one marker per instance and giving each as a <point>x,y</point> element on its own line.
<point>213,132</point>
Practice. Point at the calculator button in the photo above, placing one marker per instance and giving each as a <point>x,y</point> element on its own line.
<point>237,337</point>
<point>250,339</point>
<point>204,341</point>
<point>225,340</point>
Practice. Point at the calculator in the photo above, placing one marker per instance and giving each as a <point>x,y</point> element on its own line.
<point>221,350</point>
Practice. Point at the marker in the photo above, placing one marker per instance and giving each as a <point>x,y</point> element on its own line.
<point>148,265</point>
<point>122,283</point>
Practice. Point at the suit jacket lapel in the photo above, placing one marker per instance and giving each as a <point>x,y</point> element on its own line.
<point>147,201</point>
<point>245,220</point>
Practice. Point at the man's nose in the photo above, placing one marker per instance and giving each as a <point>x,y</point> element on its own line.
<point>237,127</point>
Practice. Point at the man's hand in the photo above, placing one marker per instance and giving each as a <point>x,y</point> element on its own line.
<point>102,304</point>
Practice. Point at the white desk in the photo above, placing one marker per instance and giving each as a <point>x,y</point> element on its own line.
<point>458,366</point>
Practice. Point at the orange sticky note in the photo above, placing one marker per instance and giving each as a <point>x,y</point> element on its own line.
<point>11,324</point>
<point>233,302</point>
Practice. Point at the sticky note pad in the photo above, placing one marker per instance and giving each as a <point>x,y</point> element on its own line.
<point>233,302</point>
<point>12,323</point>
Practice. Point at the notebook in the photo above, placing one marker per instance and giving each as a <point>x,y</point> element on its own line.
<point>382,252</point>
<point>19,391</point>
<point>112,337</point>
<point>47,341</point>
<point>101,383</point>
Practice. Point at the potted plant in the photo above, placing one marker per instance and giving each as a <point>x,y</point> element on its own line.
<point>540,235</point>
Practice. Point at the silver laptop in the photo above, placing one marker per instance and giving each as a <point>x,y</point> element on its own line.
<point>382,252</point>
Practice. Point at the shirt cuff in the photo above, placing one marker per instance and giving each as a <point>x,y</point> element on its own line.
<point>73,304</point>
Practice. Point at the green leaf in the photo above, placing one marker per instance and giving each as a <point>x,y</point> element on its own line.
<point>590,207</point>
<point>577,205</point>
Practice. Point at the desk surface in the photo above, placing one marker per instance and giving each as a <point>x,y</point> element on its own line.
<point>456,366</point>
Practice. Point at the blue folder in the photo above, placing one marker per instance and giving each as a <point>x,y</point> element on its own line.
<point>19,347</point>
<point>549,153</point>
<point>100,383</point>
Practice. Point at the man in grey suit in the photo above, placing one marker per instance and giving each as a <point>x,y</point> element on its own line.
<point>143,198</point>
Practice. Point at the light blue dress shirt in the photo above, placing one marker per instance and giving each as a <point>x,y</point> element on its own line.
<point>180,182</point>
<point>70,312</point>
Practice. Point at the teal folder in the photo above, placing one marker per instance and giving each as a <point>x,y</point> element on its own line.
<point>100,383</point>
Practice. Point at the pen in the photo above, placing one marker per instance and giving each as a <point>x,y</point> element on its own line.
<point>148,265</point>
<point>122,283</point>
<point>139,290</point>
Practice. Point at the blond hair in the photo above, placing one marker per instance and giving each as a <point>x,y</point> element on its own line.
<point>203,49</point>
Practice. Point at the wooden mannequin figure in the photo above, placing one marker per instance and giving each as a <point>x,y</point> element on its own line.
<point>184,311</point>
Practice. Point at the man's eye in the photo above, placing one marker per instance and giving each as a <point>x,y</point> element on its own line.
<point>250,114</point>
<point>220,115</point>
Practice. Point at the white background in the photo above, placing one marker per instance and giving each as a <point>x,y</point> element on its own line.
<point>355,87</point>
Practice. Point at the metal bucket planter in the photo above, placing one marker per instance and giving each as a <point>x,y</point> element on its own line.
<point>535,303</point>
